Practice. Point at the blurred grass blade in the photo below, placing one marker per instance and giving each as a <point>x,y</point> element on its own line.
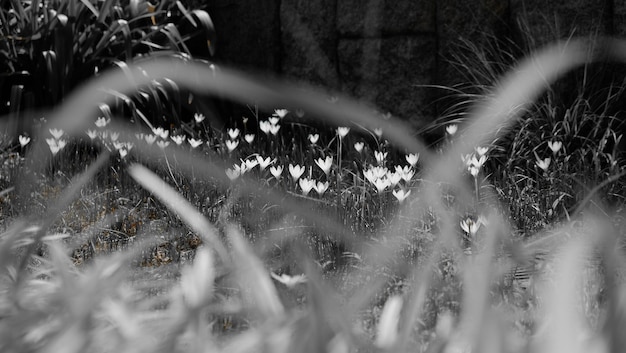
<point>562,328</point>
<point>175,202</point>
<point>196,281</point>
<point>255,279</point>
<point>387,329</point>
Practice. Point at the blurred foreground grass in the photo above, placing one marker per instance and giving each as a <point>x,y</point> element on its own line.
<point>346,249</point>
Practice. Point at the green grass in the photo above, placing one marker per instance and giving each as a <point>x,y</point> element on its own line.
<point>149,244</point>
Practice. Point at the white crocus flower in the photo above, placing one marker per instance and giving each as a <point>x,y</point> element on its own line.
<point>178,139</point>
<point>481,150</point>
<point>469,226</point>
<point>473,170</point>
<point>555,146</point>
<point>394,178</point>
<point>198,117</point>
<point>412,159</point>
<point>451,129</point>
<point>325,164</point>
<point>370,176</point>
<point>56,133</point>
<point>250,163</point>
<point>543,163</point>
<point>478,162</point>
<point>274,120</point>
<point>380,157</point>
<point>161,132</point>
<point>118,145</point>
<point>401,194</point>
<point>296,171</point>
<point>358,146</point>
<point>150,139</point>
<point>274,129</point>
<point>231,145</point>
<point>265,126</point>
<point>381,184</point>
<point>233,174</point>
<point>241,168</point>
<point>379,132</point>
<point>233,133</point>
<point>24,140</point>
<point>313,138</point>
<point>194,143</point>
<point>276,171</point>
<point>321,187</point>
<point>289,281</point>
<point>102,122</point>
<point>249,138</point>
<point>405,172</point>
<point>163,144</point>
<point>264,163</point>
<point>342,131</point>
<point>306,185</point>
<point>55,145</point>
<point>113,136</point>
<point>281,113</point>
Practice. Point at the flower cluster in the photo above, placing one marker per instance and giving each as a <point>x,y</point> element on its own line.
<point>382,178</point>
<point>250,163</point>
<point>56,142</point>
<point>475,161</point>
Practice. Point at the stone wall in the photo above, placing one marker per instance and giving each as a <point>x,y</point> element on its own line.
<point>388,52</point>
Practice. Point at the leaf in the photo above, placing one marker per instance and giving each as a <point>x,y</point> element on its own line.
<point>116,27</point>
<point>104,10</point>
<point>91,8</point>
<point>22,17</point>
<point>15,101</point>
<point>206,24</point>
<point>182,9</point>
<point>51,74</point>
<point>172,33</point>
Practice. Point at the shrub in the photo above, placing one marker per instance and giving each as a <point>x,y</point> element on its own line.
<point>50,47</point>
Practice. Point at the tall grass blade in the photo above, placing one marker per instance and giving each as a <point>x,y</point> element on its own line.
<point>563,329</point>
